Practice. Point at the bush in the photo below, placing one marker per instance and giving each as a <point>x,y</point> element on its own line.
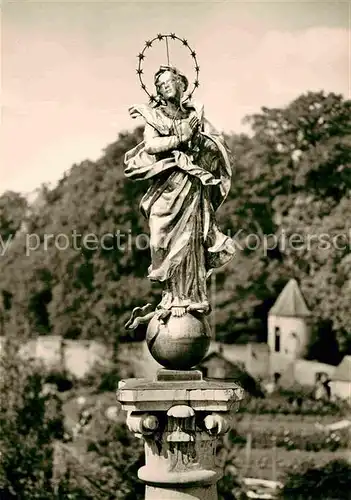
<point>27,429</point>
<point>293,440</point>
<point>331,482</point>
<point>103,378</point>
<point>283,404</point>
<point>230,488</point>
<point>62,380</point>
<point>108,468</point>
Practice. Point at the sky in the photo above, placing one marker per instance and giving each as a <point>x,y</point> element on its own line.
<point>68,69</point>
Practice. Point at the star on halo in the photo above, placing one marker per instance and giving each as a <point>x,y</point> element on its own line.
<point>142,55</point>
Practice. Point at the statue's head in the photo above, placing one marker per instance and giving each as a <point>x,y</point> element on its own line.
<point>170,83</point>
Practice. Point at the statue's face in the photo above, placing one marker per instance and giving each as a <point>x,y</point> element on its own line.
<point>167,85</point>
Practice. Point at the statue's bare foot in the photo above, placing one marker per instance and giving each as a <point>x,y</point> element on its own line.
<point>201,307</point>
<point>178,311</point>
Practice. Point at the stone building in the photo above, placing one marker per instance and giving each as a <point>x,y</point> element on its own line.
<point>341,380</point>
<point>289,327</point>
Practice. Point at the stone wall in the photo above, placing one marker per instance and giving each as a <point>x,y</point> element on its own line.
<point>49,350</point>
<point>78,357</point>
<point>341,390</point>
<point>305,372</point>
<point>138,355</point>
<point>255,357</point>
<point>258,357</point>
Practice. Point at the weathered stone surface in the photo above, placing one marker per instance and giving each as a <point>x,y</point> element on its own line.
<point>180,422</point>
<point>202,395</point>
<point>179,415</point>
<point>179,342</point>
<point>203,493</point>
<point>178,375</point>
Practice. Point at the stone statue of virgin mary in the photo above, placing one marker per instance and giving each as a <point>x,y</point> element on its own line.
<point>190,169</point>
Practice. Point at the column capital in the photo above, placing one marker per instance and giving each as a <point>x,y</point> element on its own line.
<point>180,421</point>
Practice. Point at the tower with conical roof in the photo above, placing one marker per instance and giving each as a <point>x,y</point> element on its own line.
<point>289,329</point>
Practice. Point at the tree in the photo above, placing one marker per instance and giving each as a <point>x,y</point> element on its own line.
<point>292,177</point>
<point>13,208</point>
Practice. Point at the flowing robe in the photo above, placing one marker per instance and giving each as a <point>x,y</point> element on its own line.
<point>189,185</point>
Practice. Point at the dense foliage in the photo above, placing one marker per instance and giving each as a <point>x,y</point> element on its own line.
<point>295,440</point>
<point>292,177</point>
<point>30,419</point>
<point>330,482</point>
<point>13,208</point>
<point>106,468</point>
<point>280,404</point>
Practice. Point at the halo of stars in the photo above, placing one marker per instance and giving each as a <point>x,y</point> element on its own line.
<point>158,38</point>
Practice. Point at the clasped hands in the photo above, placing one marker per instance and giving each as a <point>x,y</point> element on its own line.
<point>187,127</point>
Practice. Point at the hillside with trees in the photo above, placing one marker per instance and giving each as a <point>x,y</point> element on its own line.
<point>291,177</point>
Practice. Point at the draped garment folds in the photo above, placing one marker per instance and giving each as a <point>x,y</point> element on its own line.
<point>188,186</point>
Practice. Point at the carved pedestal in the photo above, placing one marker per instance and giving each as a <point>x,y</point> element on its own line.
<point>180,417</point>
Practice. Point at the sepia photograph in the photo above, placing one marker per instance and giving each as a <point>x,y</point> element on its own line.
<point>175,250</point>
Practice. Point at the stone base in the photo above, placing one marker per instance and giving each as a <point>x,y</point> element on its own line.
<point>160,395</point>
<point>203,493</point>
<point>178,375</point>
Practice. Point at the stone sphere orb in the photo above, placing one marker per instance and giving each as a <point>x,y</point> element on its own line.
<point>179,343</point>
